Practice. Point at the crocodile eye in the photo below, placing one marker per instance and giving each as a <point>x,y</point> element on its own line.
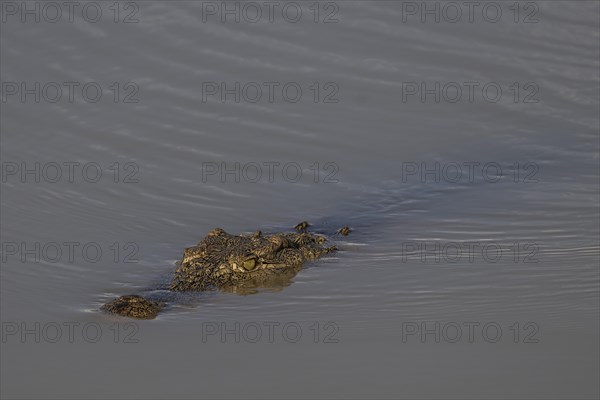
<point>250,263</point>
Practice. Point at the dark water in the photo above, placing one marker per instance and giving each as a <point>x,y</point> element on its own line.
<point>479,279</point>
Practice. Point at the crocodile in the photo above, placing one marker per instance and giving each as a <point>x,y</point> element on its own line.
<point>233,263</point>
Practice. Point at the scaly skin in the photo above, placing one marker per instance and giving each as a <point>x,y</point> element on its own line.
<point>134,306</point>
<point>233,263</point>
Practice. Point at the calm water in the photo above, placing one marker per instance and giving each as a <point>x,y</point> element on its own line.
<point>483,284</point>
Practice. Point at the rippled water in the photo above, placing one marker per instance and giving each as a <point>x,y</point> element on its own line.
<point>516,248</point>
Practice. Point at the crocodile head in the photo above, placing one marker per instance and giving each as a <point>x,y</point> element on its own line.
<point>239,264</point>
<point>225,261</point>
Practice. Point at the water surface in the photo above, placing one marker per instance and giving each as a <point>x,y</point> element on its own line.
<point>397,270</point>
